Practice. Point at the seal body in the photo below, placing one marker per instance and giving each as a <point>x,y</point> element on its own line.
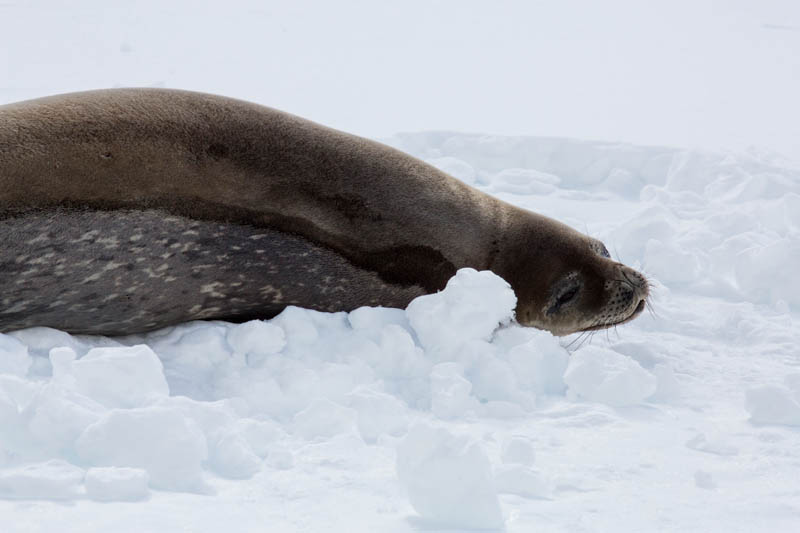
<point>126,210</point>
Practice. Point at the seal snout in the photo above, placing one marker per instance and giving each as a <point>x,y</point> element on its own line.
<point>636,290</point>
<point>626,297</point>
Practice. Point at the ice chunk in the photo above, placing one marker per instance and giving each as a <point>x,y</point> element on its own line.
<point>57,415</point>
<point>260,434</point>
<point>471,306</point>
<point>493,379</point>
<point>300,331</point>
<point>256,337</point>
<point>231,456</point>
<point>771,404</point>
<point>370,321</point>
<point>539,364</point>
<point>52,480</point>
<point>378,413</point>
<point>449,479</point>
<point>14,357</point>
<point>451,391</point>
<point>602,375</point>
<point>116,376</point>
<point>160,440</point>
<point>194,355</point>
<point>110,484</point>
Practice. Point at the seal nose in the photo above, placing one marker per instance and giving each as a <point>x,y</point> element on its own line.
<point>634,278</point>
<point>637,282</point>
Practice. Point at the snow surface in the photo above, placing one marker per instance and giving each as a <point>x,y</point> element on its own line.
<point>447,415</point>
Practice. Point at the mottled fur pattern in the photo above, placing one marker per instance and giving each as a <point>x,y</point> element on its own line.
<point>353,215</point>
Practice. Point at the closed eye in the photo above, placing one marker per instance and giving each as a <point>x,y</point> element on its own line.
<point>564,298</point>
<point>567,296</point>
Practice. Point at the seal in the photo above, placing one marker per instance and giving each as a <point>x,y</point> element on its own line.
<point>127,210</point>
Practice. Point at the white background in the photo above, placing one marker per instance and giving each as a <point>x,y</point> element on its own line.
<point>694,73</point>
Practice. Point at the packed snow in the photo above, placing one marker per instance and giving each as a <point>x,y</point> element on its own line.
<point>448,415</point>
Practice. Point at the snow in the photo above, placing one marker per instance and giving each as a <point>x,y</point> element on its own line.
<point>14,359</point>
<point>518,450</point>
<point>160,440</point>
<point>470,308</point>
<point>113,377</point>
<point>117,484</point>
<point>770,404</point>
<point>605,376</point>
<point>54,480</point>
<point>522,481</point>
<point>448,479</point>
<point>447,415</point>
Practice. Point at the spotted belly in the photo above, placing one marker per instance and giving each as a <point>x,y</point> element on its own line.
<point>125,271</point>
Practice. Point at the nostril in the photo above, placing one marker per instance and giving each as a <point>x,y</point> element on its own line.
<point>636,281</point>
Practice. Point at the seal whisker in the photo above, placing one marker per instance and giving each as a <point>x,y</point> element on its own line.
<point>582,333</point>
<point>649,306</point>
<point>583,338</point>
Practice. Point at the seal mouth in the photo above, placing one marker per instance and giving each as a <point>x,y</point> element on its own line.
<point>636,312</point>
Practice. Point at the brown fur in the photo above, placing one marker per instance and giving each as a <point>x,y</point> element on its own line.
<point>212,158</point>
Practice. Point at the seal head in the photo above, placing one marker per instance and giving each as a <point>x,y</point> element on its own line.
<point>568,282</point>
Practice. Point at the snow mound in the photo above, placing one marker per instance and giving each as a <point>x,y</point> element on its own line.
<point>605,376</point>
<point>170,447</point>
<point>524,181</point>
<point>448,479</point>
<point>117,484</point>
<point>256,337</point>
<point>122,377</point>
<point>53,480</point>
<point>770,404</point>
<point>176,408</point>
<point>14,358</point>
<point>231,455</point>
<point>471,307</point>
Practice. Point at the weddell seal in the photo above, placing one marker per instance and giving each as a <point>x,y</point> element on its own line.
<point>126,210</point>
